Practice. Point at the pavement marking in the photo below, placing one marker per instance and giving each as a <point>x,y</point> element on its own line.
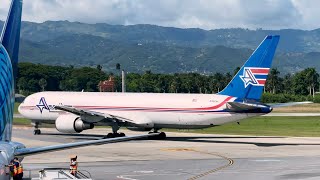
<point>266,160</point>
<point>126,178</point>
<point>229,160</point>
<point>178,149</point>
<point>145,172</point>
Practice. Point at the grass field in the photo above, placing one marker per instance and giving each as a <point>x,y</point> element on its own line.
<point>21,121</point>
<point>304,108</point>
<point>269,126</point>
<point>16,105</point>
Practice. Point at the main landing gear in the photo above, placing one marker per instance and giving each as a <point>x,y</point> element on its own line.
<point>161,136</point>
<point>36,130</point>
<point>115,128</point>
<point>113,135</point>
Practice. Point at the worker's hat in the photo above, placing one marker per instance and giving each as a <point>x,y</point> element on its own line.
<point>73,156</point>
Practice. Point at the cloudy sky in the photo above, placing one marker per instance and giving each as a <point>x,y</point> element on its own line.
<point>205,14</point>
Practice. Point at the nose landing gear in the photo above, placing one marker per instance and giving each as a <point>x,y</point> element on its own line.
<point>36,130</point>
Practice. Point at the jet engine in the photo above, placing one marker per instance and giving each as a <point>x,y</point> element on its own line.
<point>70,123</point>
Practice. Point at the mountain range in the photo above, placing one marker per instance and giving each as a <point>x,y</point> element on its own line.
<point>161,49</point>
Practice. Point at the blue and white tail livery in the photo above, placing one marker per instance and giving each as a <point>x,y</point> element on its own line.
<point>6,95</point>
<point>249,82</point>
<point>9,50</point>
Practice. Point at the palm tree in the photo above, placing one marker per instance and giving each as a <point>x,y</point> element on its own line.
<point>312,78</point>
<point>273,79</point>
<point>42,83</point>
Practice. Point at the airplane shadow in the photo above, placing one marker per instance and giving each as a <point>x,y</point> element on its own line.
<point>212,140</point>
<point>198,139</point>
<point>75,135</point>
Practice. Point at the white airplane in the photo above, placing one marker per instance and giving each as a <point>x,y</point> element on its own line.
<point>73,112</point>
<point>9,48</point>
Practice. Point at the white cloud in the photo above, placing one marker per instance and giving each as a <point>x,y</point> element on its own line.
<point>207,14</point>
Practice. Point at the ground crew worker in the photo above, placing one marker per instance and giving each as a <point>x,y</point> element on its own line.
<point>73,165</point>
<point>17,169</point>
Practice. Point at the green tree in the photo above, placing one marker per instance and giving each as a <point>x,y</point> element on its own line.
<point>300,83</point>
<point>273,80</point>
<point>42,83</point>
<point>22,85</point>
<point>218,81</point>
<point>312,78</point>
<point>287,84</point>
<point>175,84</point>
<point>236,70</point>
<point>99,67</point>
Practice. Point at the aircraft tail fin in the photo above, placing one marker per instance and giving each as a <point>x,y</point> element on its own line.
<point>9,50</point>
<point>10,36</point>
<point>249,82</point>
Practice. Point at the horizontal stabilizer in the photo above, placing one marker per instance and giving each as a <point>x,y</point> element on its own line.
<point>248,107</point>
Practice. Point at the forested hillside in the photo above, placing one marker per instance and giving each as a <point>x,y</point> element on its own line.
<point>36,77</point>
<point>139,48</point>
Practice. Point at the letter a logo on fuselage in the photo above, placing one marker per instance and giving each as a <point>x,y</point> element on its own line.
<point>254,76</point>
<point>42,105</point>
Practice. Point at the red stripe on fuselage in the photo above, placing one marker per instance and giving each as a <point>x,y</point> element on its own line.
<point>155,108</point>
<point>216,106</point>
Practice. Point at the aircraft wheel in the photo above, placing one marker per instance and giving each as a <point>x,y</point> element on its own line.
<point>37,132</point>
<point>122,134</point>
<point>162,136</point>
<point>110,135</point>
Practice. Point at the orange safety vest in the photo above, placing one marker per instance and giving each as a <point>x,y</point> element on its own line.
<point>17,169</point>
<point>73,168</point>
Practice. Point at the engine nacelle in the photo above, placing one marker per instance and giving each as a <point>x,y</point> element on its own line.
<point>70,123</point>
<point>139,128</point>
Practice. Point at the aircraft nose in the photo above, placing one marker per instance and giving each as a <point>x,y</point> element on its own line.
<point>19,108</point>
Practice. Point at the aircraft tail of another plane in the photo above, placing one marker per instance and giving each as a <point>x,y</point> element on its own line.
<point>9,50</point>
<point>249,82</point>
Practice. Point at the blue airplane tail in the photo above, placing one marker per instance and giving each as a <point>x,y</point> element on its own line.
<point>9,50</point>
<point>249,82</point>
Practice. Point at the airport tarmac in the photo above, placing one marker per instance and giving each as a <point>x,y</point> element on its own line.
<point>181,156</point>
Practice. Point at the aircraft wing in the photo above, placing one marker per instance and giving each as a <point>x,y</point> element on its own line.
<point>37,150</point>
<point>89,116</point>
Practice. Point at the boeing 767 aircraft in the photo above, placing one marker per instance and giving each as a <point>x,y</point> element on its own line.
<point>73,112</point>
